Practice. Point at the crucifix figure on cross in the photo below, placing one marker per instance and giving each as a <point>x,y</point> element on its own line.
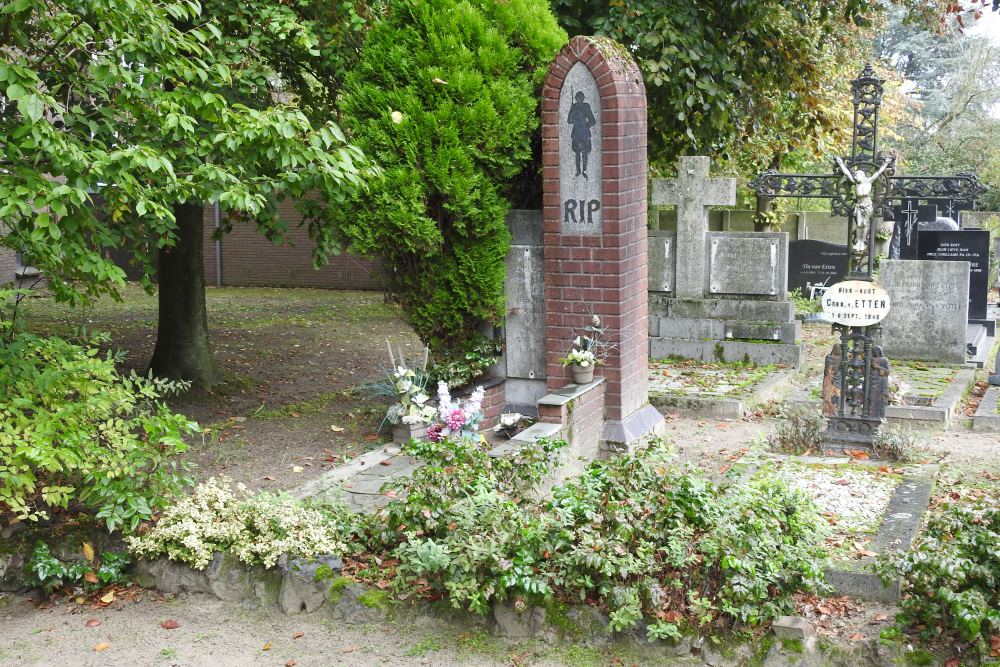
<point>864,208</point>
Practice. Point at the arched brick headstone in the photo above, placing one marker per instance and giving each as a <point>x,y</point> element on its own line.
<point>595,180</point>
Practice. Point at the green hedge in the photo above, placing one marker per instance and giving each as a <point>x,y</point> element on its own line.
<point>445,99</point>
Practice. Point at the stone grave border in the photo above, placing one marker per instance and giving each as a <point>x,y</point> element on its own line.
<point>987,417</point>
<point>772,387</point>
<point>943,410</point>
<point>899,528</point>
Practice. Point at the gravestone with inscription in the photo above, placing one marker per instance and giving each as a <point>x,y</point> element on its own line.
<point>815,263</point>
<point>717,296</point>
<point>930,306</point>
<point>967,245</point>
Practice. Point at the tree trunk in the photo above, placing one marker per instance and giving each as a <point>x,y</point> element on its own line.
<point>182,348</point>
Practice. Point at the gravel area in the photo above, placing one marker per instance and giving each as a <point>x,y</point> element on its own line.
<point>852,500</point>
<point>694,378</point>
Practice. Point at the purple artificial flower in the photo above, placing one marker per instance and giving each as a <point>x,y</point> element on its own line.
<point>434,432</point>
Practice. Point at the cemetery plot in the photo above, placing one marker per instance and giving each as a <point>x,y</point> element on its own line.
<point>873,509</point>
<point>919,391</point>
<point>717,389</point>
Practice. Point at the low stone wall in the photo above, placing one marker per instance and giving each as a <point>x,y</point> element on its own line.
<point>296,586</point>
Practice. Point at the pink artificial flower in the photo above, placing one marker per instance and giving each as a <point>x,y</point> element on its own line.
<point>456,419</point>
<point>434,432</point>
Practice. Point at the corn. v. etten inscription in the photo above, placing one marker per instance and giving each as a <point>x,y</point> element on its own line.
<point>580,154</point>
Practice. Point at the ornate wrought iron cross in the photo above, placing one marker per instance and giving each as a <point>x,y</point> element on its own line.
<point>867,91</point>
<point>861,188</point>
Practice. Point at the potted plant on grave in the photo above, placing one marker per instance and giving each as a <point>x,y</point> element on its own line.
<point>589,350</point>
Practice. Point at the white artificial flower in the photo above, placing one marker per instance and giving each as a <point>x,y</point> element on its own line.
<point>397,117</point>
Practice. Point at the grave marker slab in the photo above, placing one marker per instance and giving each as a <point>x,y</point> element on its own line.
<point>930,307</point>
<point>815,263</point>
<point>747,263</point>
<point>662,261</point>
<point>580,153</point>
<point>972,246</point>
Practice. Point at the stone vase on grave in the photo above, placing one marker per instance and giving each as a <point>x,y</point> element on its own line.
<point>403,433</point>
<point>583,374</point>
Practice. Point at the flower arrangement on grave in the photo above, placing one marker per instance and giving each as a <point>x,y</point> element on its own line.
<point>406,383</point>
<point>589,350</point>
<point>456,418</point>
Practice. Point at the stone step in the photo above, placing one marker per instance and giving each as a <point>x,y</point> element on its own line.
<point>702,329</point>
<point>746,309</point>
<point>728,351</point>
<point>982,353</point>
<point>974,337</point>
<point>528,436</point>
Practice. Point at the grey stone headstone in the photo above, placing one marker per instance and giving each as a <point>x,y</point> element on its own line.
<point>525,294</point>
<point>662,261</point>
<point>747,263</point>
<point>580,154</point>
<point>929,311</point>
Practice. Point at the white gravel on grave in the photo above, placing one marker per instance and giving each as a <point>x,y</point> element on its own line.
<point>853,500</point>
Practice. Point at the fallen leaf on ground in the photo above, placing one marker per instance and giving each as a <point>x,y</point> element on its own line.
<point>108,597</point>
<point>92,623</point>
<point>290,663</point>
<point>859,454</point>
<point>390,494</point>
<point>336,429</point>
<point>385,462</point>
<point>266,646</point>
<point>952,662</point>
<point>91,577</point>
<point>856,637</point>
<point>297,468</point>
<point>725,468</point>
<point>170,624</point>
<point>881,617</point>
<point>103,646</point>
<point>349,649</point>
<point>88,551</point>
<point>298,635</point>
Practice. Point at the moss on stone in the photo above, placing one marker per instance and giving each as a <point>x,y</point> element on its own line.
<point>792,645</point>
<point>374,598</point>
<point>336,589</point>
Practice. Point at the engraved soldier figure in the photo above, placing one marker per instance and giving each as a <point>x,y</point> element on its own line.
<point>864,208</point>
<point>581,118</point>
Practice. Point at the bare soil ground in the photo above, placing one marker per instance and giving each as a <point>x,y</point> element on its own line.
<point>294,362</point>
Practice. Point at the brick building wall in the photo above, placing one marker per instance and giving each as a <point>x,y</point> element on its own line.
<point>250,260</point>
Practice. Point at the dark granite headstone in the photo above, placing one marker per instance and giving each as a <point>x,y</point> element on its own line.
<point>909,218</point>
<point>815,263</point>
<point>969,245</point>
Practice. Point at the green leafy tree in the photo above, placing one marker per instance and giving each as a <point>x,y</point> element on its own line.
<point>445,98</point>
<point>121,118</point>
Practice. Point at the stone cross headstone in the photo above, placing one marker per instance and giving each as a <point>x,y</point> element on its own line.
<point>595,183</point>
<point>692,192</point>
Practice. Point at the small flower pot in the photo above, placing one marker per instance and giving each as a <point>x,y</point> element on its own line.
<point>403,433</point>
<point>583,374</point>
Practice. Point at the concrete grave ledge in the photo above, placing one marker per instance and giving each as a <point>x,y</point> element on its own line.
<point>770,388</point>
<point>297,586</point>
<point>987,417</point>
<point>943,410</point>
